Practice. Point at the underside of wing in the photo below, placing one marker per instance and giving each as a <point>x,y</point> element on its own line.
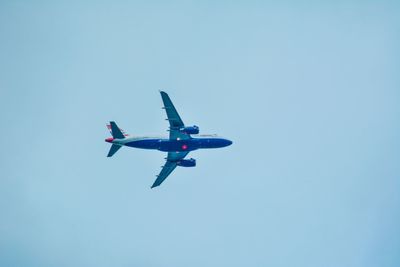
<point>175,121</point>
<point>169,167</point>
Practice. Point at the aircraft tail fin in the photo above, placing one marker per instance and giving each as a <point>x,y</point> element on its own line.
<point>115,131</point>
<point>114,148</point>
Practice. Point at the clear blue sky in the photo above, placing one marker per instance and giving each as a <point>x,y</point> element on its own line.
<point>309,92</point>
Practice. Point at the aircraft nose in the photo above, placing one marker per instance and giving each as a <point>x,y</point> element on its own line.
<point>109,140</point>
<point>227,142</point>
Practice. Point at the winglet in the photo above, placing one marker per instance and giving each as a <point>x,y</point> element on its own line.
<point>155,184</point>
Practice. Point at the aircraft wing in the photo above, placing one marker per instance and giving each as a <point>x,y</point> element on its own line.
<point>175,121</point>
<point>169,167</point>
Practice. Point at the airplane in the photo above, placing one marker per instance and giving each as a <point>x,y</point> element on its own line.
<point>182,140</point>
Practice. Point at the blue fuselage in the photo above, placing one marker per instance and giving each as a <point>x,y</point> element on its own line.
<point>167,145</point>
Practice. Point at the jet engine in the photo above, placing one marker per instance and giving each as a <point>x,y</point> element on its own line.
<point>187,163</point>
<point>190,130</point>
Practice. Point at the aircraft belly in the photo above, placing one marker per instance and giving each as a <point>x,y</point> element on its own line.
<point>178,145</point>
<point>213,143</point>
<point>145,144</point>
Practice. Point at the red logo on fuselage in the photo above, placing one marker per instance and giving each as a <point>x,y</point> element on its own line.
<point>184,147</point>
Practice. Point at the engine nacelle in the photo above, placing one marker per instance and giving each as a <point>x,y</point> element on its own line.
<point>190,130</point>
<point>187,163</point>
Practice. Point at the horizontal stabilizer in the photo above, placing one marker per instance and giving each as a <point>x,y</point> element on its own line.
<point>115,131</point>
<point>114,148</point>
